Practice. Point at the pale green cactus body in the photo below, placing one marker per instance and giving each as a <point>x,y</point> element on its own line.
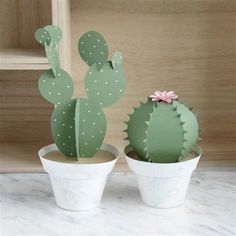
<point>78,124</point>
<point>78,127</point>
<point>116,60</point>
<point>93,49</point>
<point>162,132</point>
<point>63,127</point>
<point>55,34</point>
<point>53,59</point>
<point>42,36</point>
<point>90,127</point>
<point>106,86</point>
<point>50,36</point>
<point>56,90</point>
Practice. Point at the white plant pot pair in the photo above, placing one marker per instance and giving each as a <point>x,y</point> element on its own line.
<point>80,187</point>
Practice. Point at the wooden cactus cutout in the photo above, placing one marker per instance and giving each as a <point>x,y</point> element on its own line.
<point>78,125</point>
<point>93,49</point>
<point>50,36</point>
<point>116,60</point>
<point>56,90</point>
<point>162,131</point>
<point>106,86</point>
<point>55,34</point>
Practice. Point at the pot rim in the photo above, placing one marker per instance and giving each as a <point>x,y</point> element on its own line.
<point>197,149</point>
<point>53,147</point>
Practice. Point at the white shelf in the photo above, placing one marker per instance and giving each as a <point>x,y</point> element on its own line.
<point>23,59</point>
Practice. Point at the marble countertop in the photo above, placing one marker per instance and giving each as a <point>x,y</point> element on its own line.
<point>27,207</point>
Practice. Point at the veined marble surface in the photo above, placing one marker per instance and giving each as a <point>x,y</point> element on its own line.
<point>27,207</point>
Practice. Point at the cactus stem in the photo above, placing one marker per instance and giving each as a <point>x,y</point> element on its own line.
<point>182,122</point>
<point>126,138</point>
<point>199,138</point>
<point>126,122</point>
<point>184,131</point>
<point>179,115</point>
<point>145,140</point>
<point>147,122</point>
<point>125,130</point>
<point>190,108</point>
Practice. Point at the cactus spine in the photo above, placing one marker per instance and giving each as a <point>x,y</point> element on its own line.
<point>162,132</point>
<point>78,124</point>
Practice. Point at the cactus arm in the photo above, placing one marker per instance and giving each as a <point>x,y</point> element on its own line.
<point>93,49</point>
<point>63,128</point>
<point>164,134</point>
<point>79,125</point>
<point>53,59</point>
<point>47,37</point>
<point>116,60</point>
<point>137,127</point>
<point>42,36</point>
<point>106,86</point>
<point>59,90</point>
<point>55,34</point>
<point>91,127</point>
<point>56,91</point>
<point>190,127</point>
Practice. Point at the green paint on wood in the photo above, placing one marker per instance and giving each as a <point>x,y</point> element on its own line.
<point>78,125</point>
<point>55,34</point>
<point>93,49</point>
<point>106,86</point>
<point>162,132</point>
<point>56,90</point>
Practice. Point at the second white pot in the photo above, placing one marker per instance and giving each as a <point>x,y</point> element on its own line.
<point>77,187</point>
<point>163,185</point>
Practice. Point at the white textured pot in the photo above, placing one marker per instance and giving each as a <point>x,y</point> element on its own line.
<point>163,185</point>
<point>77,187</point>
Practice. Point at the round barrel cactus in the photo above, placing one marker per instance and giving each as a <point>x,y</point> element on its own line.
<point>162,130</point>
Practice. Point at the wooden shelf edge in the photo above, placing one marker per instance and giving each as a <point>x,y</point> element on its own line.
<point>23,59</point>
<point>32,66</point>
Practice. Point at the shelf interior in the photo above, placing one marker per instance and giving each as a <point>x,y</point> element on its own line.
<point>24,120</point>
<point>19,20</point>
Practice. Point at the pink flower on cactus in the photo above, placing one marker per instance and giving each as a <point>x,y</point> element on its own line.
<point>163,96</point>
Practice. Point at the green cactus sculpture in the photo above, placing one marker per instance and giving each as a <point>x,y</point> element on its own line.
<point>93,49</point>
<point>162,130</point>
<point>79,124</point>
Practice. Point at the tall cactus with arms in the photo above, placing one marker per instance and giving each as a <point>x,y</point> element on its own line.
<point>162,130</point>
<point>78,124</point>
